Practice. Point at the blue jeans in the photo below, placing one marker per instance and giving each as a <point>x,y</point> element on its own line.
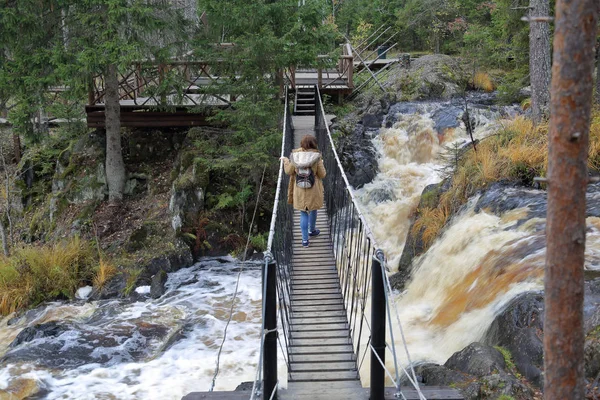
<point>306,218</point>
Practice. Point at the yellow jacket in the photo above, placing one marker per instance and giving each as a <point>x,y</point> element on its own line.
<point>305,199</point>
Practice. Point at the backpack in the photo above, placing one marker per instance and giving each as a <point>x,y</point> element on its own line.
<point>305,178</point>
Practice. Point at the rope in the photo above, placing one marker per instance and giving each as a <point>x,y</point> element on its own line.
<point>237,285</point>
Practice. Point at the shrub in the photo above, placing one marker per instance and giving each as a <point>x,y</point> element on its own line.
<point>38,273</point>
<point>482,81</point>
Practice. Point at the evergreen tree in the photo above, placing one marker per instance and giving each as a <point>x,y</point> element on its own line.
<point>106,37</point>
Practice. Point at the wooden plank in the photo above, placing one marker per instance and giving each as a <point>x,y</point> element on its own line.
<point>339,333</point>
<point>323,376</point>
<point>321,302</point>
<point>325,366</point>
<point>321,349</point>
<point>318,314</point>
<point>241,395</point>
<point>321,299</point>
<point>317,287</point>
<point>316,292</point>
<point>320,342</point>
<point>319,327</point>
<point>307,308</point>
<point>299,266</point>
<point>315,273</point>
<point>303,296</point>
<point>312,263</point>
<point>332,279</point>
<point>338,319</point>
<point>310,358</point>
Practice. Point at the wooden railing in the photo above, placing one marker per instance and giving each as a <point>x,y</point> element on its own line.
<point>151,84</point>
<point>342,75</point>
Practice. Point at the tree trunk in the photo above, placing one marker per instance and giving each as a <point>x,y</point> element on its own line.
<point>115,168</point>
<point>597,74</point>
<point>16,147</point>
<point>4,239</point>
<point>572,83</point>
<point>539,59</point>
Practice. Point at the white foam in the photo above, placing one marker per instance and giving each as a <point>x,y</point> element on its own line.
<point>142,289</point>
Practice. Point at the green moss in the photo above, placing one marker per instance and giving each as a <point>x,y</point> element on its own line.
<point>430,199</point>
<point>508,360</point>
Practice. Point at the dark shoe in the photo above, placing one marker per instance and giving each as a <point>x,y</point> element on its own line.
<point>316,232</point>
<point>305,243</point>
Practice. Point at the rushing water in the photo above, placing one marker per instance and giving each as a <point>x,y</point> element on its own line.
<point>482,260</point>
<point>150,349</point>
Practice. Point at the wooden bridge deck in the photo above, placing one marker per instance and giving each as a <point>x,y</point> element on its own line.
<point>320,350</point>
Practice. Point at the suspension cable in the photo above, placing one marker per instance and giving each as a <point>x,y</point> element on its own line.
<point>237,285</point>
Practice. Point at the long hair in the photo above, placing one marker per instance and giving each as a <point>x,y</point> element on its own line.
<point>309,142</point>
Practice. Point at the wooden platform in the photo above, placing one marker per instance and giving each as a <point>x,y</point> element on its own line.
<point>147,116</point>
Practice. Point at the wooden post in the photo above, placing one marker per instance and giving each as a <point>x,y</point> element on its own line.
<point>91,96</point>
<point>140,79</point>
<point>377,330</point>
<point>571,98</point>
<point>320,77</point>
<point>161,77</point>
<point>350,62</point>
<point>270,345</point>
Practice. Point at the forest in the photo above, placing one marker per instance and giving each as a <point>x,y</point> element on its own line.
<point>140,139</point>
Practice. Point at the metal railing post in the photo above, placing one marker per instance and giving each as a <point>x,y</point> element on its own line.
<point>377,331</point>
<point>270,346</point>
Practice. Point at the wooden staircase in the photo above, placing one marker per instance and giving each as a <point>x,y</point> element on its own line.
<point>305,101</point>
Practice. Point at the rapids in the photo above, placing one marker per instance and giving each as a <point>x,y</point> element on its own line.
<point>483,259</point>
<point>151,349</point>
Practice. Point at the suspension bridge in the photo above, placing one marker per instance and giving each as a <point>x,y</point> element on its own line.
<point>327,308</point>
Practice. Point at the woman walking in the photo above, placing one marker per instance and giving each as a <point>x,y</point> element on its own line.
<point>306,170</point>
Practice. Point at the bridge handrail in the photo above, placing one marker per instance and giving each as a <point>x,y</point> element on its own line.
<point>279,177</point>
<point>343,173</point>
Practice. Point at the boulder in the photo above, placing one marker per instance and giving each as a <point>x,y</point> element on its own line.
<point>429,77</point>
<point>157,288</point>
<point>431,374</point>
<point>358,156</point>
<point>414,246</point>
<point>39,331</point>
<point>20,389</point>
<point>519,329</point>
<point>71,346</point>
<point>477,359</point>
<point>502,386</point>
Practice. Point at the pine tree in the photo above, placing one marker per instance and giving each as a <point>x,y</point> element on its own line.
<point>539,58</point>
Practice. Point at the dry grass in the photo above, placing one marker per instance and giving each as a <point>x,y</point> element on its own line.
<point>104,273</point>
<point>481,80</point>
<point>37,273</point>
<point>430,222</point>
<point>518,152</point>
